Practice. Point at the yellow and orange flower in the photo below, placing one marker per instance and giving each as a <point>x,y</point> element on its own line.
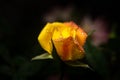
<point>68,39</point>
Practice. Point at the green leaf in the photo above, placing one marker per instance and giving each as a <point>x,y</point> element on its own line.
<point>95,58</point>
<point>43,56</point>
<point>78,64</point>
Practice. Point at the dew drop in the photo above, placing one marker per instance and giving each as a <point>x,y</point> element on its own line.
<point>82,33</point>
<point>47,31</point>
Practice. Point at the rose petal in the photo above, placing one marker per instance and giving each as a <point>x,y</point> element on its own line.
<point>45,36</point>
<point>67,49</point>
<point>81,36</point>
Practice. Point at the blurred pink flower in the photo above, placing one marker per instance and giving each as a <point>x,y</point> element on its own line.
<point>59,13</point>
<point>100,25</point>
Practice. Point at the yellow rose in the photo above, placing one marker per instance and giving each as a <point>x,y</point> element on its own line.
<point>68,39</point>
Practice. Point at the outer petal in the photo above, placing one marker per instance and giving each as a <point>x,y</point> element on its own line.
<point>68,50</point>
<point>45,36</point>
<point>81,36</point>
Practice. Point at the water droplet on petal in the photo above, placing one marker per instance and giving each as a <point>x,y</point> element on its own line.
<point>47,31</point>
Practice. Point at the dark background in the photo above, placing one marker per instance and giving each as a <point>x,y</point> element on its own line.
<point>20,24</point>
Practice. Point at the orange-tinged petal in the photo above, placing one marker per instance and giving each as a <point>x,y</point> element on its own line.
<point>71,24</point>
<point>81,36</point>
<point>73,27</point>
<point>45,36</point>
<point>68,50</point>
